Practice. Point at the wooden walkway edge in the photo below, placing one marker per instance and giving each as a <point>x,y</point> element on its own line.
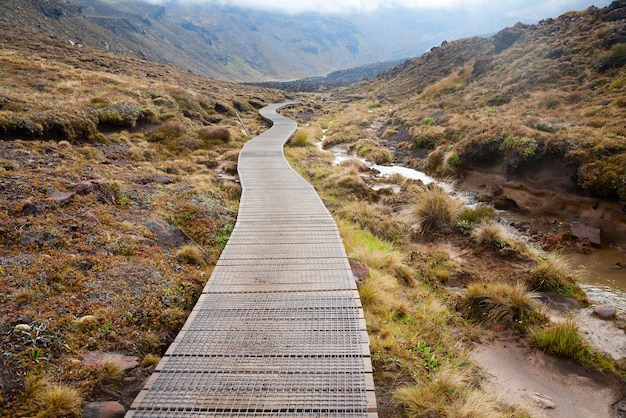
<point>279,329</point>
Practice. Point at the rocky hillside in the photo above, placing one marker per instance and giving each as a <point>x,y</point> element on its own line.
<point>532,118</point>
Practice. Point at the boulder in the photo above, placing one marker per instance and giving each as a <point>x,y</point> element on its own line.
<point>61,197</point>
<point>605,311</point>
<point>102,191</point>
<point>594,235</point>
<point>39,238</point>
<point>108,409</point>
<point>168,236</point>
<point>359,271</point>
<point>30,208</point>
<point>544,401</point>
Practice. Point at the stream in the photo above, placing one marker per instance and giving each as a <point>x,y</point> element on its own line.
<point>602,273</point>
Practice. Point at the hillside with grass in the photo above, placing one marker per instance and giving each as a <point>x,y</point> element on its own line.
<point>118,190</point>
<point>533,118</point>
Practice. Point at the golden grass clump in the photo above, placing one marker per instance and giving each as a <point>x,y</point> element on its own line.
<point>494,304</point>
<point>436,210</point>
<point>371,151</point>
<point>45,399</point>
<point>553,273</point>
<point>150,360</point>
<point>435,395</point>
<point>110,370</point>
<point>348,181</point>
<point>493,235</point>
<point>453,82</point>
<point>440,266</point>
<point>191,254</point>
<point>300,138</point>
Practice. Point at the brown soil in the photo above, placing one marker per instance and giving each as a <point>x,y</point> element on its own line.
<point>524,376</point>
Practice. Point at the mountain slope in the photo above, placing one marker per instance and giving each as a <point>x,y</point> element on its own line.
<point>533,117</point>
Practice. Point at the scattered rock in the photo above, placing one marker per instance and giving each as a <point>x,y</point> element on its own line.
<point>97,358</point>
<point>168,236</point>
<point>84,188</point>
<point>544,401</point>
<point>21,328</point>
<point>594,235</point>
<point>39,239</point>
<point>360,271</point>
<point>605,311</point>
<point>30,209</point>
<point>61,197</point>
<point>85,265</point>
<point>109,409</point>
<point>102,191</point>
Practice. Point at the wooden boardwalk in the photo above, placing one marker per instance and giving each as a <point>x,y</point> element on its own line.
<point>278,330</point>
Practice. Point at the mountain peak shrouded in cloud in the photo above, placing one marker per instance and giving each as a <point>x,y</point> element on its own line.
<point>524,10</point>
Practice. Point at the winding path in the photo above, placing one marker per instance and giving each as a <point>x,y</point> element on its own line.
<point>278,330</point>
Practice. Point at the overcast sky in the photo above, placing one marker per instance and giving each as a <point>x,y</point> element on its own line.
<point>524,10</point>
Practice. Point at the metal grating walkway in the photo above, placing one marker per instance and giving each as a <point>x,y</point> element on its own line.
<point>278,330</point>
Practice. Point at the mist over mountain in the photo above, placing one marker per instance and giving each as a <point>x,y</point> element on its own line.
<point>241,43</point>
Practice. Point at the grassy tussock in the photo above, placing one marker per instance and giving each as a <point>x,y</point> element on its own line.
<point>150,360</point>
<point>553,273</point>
<point>447,392</point>
<point>378,219</point>
<point>371,151</point>
<point>191,254</point>
<point>494,236</point>
<point>436,210</point>
<point>300,138</point>
<point>494,304</point>
<point>375,252</point>
<point>450,84</point>
<point>348,182</point>
<point>44,399</point>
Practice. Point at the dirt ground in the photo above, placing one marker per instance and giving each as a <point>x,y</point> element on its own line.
<point>548,386</point>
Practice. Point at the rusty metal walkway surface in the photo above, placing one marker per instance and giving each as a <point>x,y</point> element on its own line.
<point>279,329</point>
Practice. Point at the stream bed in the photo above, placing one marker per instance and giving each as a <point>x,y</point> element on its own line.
<point>602,272</point>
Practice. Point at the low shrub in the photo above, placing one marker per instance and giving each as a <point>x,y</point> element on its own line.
<point>121,115</point>
<point>478,214</point>
<point>171,129</point>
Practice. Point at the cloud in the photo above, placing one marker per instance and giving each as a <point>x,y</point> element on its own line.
<point>525,10</point>
<point>339,6</point>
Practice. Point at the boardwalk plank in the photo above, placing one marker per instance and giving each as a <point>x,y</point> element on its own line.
<point>279,329</point>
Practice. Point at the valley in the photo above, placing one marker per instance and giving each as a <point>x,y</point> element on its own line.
<point>119,189</point>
